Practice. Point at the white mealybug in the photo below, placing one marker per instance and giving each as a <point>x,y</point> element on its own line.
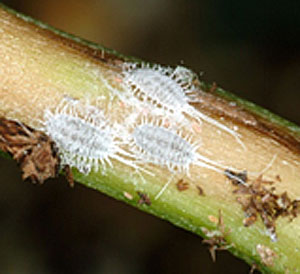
<point>83,135</point>
<point>168,90</point>
<point>153,143</point>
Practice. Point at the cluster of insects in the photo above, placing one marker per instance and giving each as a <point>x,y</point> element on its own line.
<point>155,134</point>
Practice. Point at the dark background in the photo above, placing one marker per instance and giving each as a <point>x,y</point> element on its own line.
<point>251,48</point>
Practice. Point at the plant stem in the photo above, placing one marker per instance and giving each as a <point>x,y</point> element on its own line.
<point>39,66</point>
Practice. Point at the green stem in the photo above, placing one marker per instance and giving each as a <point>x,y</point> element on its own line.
<point>40,65</point>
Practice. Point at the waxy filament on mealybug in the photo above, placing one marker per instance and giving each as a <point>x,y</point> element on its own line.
<point>85,138</point>
<point>165,91</point>
<point>153,143</point>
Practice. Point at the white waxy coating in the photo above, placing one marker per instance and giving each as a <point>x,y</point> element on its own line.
<point>167,89</point>
<point>166,148</point>
<point>80,137</point>
<point>163,147</point>
<point>158,88</point>
<point>83,136</point>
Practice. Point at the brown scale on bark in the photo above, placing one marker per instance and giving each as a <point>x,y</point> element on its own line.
<point>200,191</point>
<point>182,185</point>
<point>34,151</point>
<point>144,199</point>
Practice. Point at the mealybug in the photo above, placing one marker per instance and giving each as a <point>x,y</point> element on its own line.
<point>84,136</point>
<point>153,143</point>
<point>164,90</point>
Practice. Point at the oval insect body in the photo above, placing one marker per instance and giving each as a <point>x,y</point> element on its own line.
<point>157,88</point>
<point>80,137</point>
<point>163,147</point>
<point>84,136</point>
